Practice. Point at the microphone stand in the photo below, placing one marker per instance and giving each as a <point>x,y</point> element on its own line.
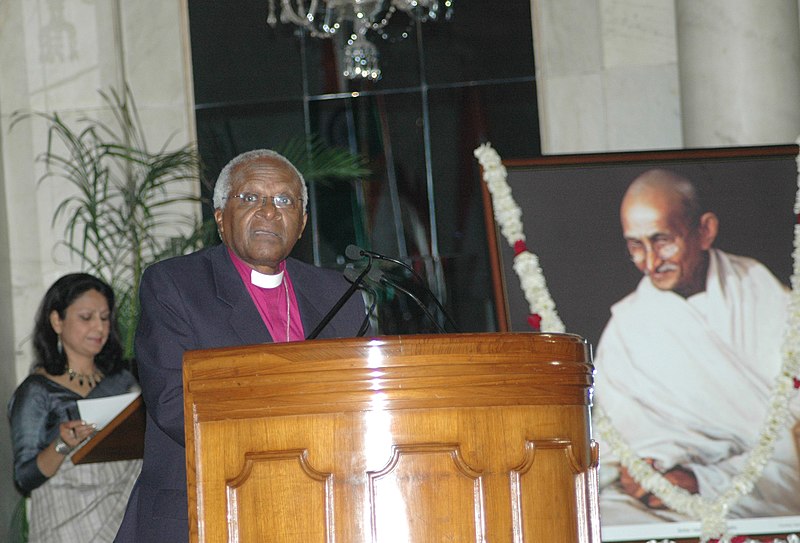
<point>351,275</point>
<point>353,252</point>
<point>335,309</point>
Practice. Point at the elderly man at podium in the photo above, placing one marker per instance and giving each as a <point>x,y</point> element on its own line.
<point>686,364</point>
<point>245,291</point>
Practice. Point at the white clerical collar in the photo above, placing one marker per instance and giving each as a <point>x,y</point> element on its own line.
<point>264,280</point>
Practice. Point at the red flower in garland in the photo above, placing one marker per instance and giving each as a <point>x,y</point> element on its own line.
<point>519,247</point>
<point>535,320</point>
<point>796,382</point>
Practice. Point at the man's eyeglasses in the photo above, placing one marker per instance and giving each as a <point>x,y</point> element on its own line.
<point>280,201</point>
<point>663,247</point>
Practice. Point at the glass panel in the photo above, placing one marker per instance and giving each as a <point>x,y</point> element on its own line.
<point>482,41</point>
<point>386,130</point>
<point>237,57</point>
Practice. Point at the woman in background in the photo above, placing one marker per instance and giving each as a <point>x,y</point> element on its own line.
<point>78,355</point>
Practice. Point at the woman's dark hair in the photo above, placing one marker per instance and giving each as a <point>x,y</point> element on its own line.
<point>58,298</point>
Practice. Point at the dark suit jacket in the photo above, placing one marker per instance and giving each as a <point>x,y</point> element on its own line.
<point>191,302</point>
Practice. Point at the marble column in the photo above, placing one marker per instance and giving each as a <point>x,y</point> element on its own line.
<point>739,69</point>
<point>54,57</point>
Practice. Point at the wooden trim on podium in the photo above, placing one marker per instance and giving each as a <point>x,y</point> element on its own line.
<point>120,439</point>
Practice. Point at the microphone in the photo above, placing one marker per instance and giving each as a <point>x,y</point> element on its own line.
<point>338,305</point>
<point>354,252</point>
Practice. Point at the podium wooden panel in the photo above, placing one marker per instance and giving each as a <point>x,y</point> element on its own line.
<point>464,437</point>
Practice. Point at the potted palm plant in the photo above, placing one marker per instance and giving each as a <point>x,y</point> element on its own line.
<point>129,205</point>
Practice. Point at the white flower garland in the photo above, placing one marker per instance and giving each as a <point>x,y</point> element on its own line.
<point>509,216</point>
<point>711,513</point>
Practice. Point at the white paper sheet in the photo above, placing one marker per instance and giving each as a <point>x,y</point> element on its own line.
<point>101,411</point>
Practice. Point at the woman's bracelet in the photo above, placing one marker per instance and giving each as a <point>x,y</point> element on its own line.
<point>62,447</point>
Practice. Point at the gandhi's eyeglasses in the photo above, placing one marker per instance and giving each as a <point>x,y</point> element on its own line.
<point>663,247</point>
<point>280,201</point>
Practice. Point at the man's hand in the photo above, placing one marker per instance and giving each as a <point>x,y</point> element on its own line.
<point>678,476</point>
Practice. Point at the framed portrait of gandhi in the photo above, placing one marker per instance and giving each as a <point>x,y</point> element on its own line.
<point>675,266</point>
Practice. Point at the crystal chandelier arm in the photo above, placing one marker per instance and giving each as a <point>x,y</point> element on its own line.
<point>306,18</point>
<point>272,20</point>
<point>312,9</point>
<point>289,15</point>
<point>424,10</point>
<point>390,10</point>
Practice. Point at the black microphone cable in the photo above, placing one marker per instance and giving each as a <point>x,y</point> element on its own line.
<point>354,252</point>
<point>378,276</point>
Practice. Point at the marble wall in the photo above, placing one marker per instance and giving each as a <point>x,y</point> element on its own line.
<point>625,75</point>
<point>54,57</point>
<point>739,72</point>
<point>607,75</point>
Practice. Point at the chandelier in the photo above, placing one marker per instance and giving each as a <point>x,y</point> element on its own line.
<point>327,18</point>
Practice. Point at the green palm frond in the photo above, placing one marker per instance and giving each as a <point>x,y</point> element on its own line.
<point>318,161</point>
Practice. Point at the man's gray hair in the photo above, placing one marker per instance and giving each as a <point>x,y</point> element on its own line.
<point>223,185</point>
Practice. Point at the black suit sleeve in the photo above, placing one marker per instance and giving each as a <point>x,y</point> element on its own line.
<point>163,335</point>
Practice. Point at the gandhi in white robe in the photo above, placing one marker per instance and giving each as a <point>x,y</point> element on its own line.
<point>687,382</point>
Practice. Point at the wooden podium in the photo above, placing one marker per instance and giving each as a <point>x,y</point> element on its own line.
<point>457,438</point>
